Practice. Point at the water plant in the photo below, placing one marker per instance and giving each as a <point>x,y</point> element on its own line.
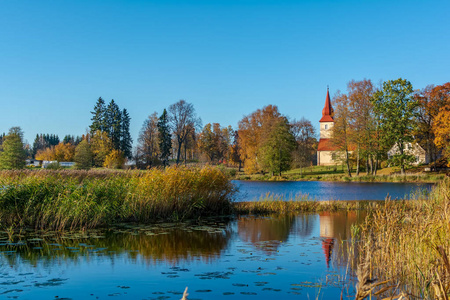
<point>60,199</point>
<point>408,244</point>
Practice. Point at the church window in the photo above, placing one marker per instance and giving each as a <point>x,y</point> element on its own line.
<point>326,126</point>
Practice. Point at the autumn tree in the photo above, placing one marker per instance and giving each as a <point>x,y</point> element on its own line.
<point>43,141</point>
<point>431,101</point>
<point>46,154</point>
<point>64,152</point>
<point>215,141</point>
<point>254,131</point>
<point>100,146</point>
<point>184,121</point>
<point>115,160</point>
<point>306,142</point>
<point>147,151</point>
<point>13,154</point>
<point>165,138</point>
<point>362,120</point>
<point>396,108</point>
<point>341,131</point>
<point>441,122</point>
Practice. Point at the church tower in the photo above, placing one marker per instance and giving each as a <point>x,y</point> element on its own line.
<point>325,148</point>
<point>327,121</point>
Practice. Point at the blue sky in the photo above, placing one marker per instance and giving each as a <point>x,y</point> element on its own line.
<point>228,58</point>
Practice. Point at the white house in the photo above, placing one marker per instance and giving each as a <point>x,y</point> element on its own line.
<point>413,149</point>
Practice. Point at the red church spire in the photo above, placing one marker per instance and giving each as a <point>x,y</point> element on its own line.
<point>327,111</point>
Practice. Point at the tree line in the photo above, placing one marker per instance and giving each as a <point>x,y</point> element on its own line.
<point>369,121</point>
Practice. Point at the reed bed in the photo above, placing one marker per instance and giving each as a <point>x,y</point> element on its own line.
<point>407,246</point>
<point>300,203</point>
<point>86,199</point>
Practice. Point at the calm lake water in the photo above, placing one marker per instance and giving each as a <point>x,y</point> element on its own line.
<point>322,190</point>
<point>289,257</point>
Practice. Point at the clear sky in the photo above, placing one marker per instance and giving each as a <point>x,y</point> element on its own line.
<point>228,58</point>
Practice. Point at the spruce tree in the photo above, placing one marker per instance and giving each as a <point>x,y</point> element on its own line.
<point>98,116</point>
<point>165,138</point>
<point>114,124</point>
<point>13,155</point>
<point>126,141</point>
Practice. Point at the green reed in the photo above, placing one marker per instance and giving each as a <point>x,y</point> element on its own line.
<point>86,199</point>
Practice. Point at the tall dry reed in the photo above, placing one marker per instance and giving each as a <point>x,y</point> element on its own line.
<point>86,199</point>
<point>409,245</point>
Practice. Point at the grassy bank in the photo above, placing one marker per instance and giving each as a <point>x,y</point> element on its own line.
<point>273,204</point>
<point>407,244</point>
<point>86,199</point>
<point>331,173</point>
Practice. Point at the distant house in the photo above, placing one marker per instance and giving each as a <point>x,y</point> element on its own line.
<point>45,163</point>
<point>66,164</point>
<point>413,149</point>
<point>33,162</point>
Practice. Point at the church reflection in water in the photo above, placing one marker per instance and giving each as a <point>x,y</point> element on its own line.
<point>335,227</point>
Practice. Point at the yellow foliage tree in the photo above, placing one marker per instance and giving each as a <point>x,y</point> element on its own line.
<point>46,154</point>
<point>114,160</point>
<point>64,152</point>
<point>101,146</point>
<point>254,130</point>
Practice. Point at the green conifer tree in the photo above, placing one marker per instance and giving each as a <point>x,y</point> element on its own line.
<point>98,116</point>
<point>126,140</point>
<point>165,138</point>
<point>114,124</point>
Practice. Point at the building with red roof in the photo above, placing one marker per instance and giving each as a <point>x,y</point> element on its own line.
<point>325,148</point>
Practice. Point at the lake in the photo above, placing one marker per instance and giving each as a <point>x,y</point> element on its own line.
<point>289,257</point>
<point>323,190</point>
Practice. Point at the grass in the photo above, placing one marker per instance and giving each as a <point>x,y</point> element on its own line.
<point>332,173</point>
<point>68,199</point>
<point>301,203</point>
<point>407,245</point>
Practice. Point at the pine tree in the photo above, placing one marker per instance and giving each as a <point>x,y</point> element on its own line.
<point>126,141</point>
<point>13,155</point>
<point>98,116</point>
<point>165,138</point>
<point>113,122</point>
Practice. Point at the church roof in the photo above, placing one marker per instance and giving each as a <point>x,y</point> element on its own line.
<point>327,111</point>
<point>326,145</point>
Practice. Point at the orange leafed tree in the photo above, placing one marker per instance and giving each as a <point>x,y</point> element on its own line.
<point>441,124</point>
<point>64,152</point>
<point>254,130</point>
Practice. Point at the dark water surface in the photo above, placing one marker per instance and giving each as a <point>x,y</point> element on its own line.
<point>290,257</point>
<point>323,190</point>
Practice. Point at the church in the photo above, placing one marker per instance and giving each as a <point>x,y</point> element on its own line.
<point>325,149</point>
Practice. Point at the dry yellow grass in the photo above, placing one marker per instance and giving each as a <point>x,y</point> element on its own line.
<point>409,244</point>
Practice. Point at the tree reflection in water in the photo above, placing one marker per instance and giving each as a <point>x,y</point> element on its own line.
<point>172,243</point>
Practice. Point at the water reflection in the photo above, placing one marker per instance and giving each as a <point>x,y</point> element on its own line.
<point>305,252</point>
<point>335,227</point>
<point>265,233</point>
<point>170,243</point>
